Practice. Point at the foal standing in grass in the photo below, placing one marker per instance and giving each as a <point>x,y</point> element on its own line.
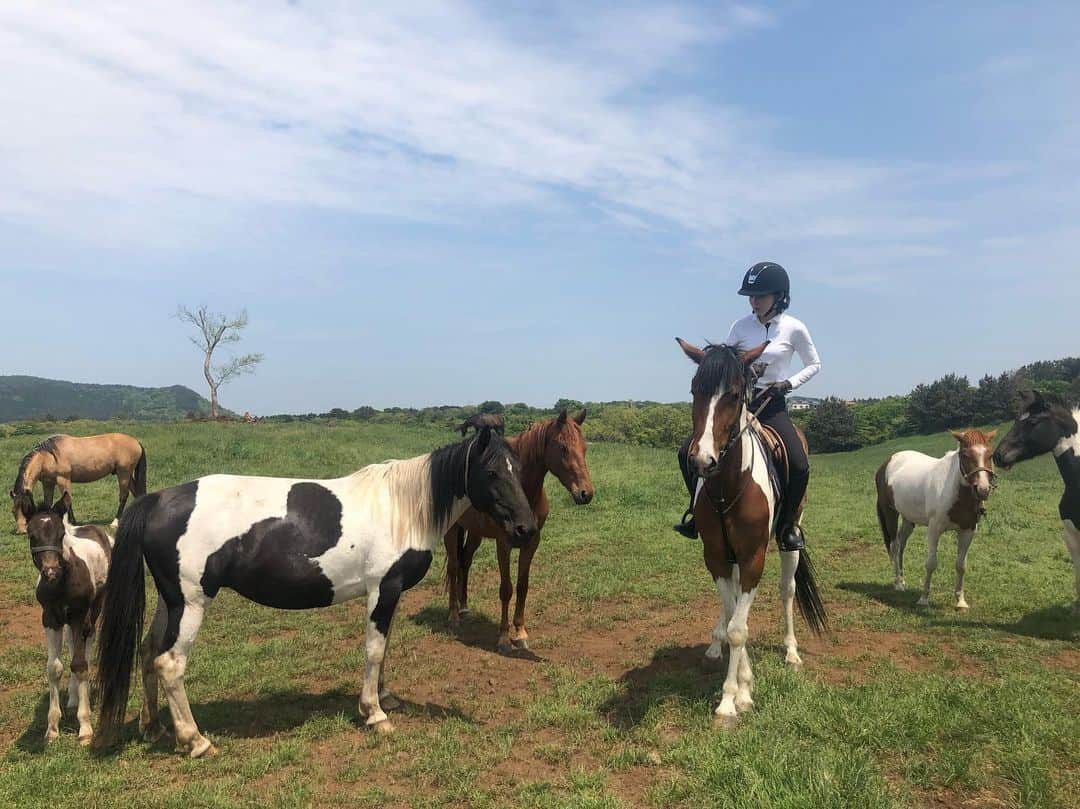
<point>73,563</point>
<point>944,494</point>
<point>290,544</point>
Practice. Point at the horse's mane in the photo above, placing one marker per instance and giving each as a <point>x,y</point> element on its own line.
<point>49,446</point>
<point>721,369</point>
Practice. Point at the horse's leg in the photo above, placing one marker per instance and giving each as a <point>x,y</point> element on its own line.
<point>472,542</point>
<point>729,588</point>
<point>720,569</point>
<point>453,576</point>
<point>899,544</point>
<point>1072,542</point>
<point>933,534</point>
<point>65,488</point>
<point>963,542</point>
<point>123,481</point>
<point>73,684</point>
<point>789,561</point>
<point>48,487</point>
<point>374,654</point>
<point>79,667</point>
<point>387,701</point>
<point>170,666</point>
<point>149,723</point>
<point>520,637</point>
<point>54,670</point>
<point>506,590</point>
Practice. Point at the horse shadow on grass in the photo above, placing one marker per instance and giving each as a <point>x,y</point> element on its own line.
<point>678,673</point>
<point>1048,623</point>
<point>32,739</point>
<point>476,630</point>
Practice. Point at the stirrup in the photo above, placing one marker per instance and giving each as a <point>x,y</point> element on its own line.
<point>790,538</point>
<point>686,526</point>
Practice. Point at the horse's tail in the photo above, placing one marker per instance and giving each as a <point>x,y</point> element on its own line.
<point>121,621</point>
<point>888,516</point>
<point>807,596</point>
<point>139,478</point>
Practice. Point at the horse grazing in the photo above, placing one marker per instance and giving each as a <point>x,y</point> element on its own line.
<point>944,494</point>
<point>1047,424</point>
<point>61,460</point>
<point>73,563</point>
<point>557,446</point>
<point>479,421</point>
<point>290,544</point>
<point>735,511</point>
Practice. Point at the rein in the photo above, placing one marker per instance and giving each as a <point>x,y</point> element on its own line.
<point>722,506</point>
<point>468,452</point>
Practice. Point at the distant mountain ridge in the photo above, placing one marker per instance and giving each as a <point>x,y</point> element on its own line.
<point>32,397</point>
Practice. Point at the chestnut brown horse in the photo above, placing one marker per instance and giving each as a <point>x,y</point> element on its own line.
<point>61,460</point>
<point>556,446</point>
<point>735,512</point>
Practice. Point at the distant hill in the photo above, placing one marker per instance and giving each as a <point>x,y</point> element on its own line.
<point>31,397</point>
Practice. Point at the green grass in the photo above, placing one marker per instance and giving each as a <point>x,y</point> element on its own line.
<point>902,706</point>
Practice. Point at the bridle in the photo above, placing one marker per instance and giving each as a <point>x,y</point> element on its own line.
<point>719,503</point>
<point>968,477</point>
<point>468,452</point>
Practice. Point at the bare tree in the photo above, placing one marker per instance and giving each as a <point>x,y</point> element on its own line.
<point>215,330</point>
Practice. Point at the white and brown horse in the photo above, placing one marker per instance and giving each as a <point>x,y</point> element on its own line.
<point>556,446</point>
<point>735,511</point>
<point>1047,424</point>
<point>61,460</point>
<point>289,544</point>
<point>944,494</point>
<point>73,563</point>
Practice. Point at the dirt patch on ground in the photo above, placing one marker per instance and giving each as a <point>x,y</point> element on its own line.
<point>21,626</point>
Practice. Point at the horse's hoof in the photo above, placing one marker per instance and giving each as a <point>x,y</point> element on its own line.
<point>384,727</point>
<point>923,602</point>
<point>388,702</point>
<point>87,740</point>
<point>793,660</point>
<point>504,647</point>
<point>744,706</point>
<point>202,748</point>
<point>962,605</point>
<point>899,586</point>
<point>464,611</point>
<point>725,721</point>
<point>51,735</point>
<point>520,643</point>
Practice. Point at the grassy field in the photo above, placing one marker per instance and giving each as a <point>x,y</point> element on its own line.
<point>899,706</point>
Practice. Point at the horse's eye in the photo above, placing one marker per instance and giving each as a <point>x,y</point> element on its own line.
<point>491,474</point>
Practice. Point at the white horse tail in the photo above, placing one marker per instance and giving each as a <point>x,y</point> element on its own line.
<point>888,516</point>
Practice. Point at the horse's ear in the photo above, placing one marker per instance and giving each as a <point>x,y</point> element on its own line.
<point>752,355</point>
<point>990,435</point>
<point>63,505</point>
<point>580,417</point>
<point>562,417</point>
<point>957,434</point>
<point>483,438</point>
<point>692,351</point>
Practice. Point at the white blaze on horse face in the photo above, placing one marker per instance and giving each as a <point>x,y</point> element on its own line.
<point>706,453</point>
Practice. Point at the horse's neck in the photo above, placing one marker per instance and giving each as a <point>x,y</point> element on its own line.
<point>33,470</point>
<point>529,448</point>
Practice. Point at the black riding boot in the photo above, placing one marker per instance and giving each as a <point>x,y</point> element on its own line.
<point>789,536</point>
<point>687,526</point>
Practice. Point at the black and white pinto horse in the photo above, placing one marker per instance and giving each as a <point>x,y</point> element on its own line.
<point>290,544</point>
<point>1046,424</point>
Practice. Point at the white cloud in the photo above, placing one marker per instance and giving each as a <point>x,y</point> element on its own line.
<point>123,124</point>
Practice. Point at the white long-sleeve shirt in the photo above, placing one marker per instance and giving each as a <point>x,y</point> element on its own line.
<point>786,335</point>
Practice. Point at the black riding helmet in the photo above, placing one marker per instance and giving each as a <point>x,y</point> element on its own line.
<point>768,278</point>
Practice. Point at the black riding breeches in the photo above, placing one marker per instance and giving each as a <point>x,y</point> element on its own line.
<point>776,416</point>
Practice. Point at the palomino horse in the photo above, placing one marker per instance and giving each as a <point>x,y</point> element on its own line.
<point>290,544</point>
<point>736,517</point>
<point>73,563</point>
<point>61,460</point>
<point>1046,424</point>
<point>557,446</point>
<point>944,494</point>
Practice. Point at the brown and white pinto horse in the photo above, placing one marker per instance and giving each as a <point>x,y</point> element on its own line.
<point>944,494</point>
<point>735,514</point>
<point>61,460</point>
<point>73,563</point>
<point>557,446</point>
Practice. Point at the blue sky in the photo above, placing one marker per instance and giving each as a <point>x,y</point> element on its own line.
<point>449,202</point>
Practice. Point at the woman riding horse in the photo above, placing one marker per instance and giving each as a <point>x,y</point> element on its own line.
<point>769,289</point>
